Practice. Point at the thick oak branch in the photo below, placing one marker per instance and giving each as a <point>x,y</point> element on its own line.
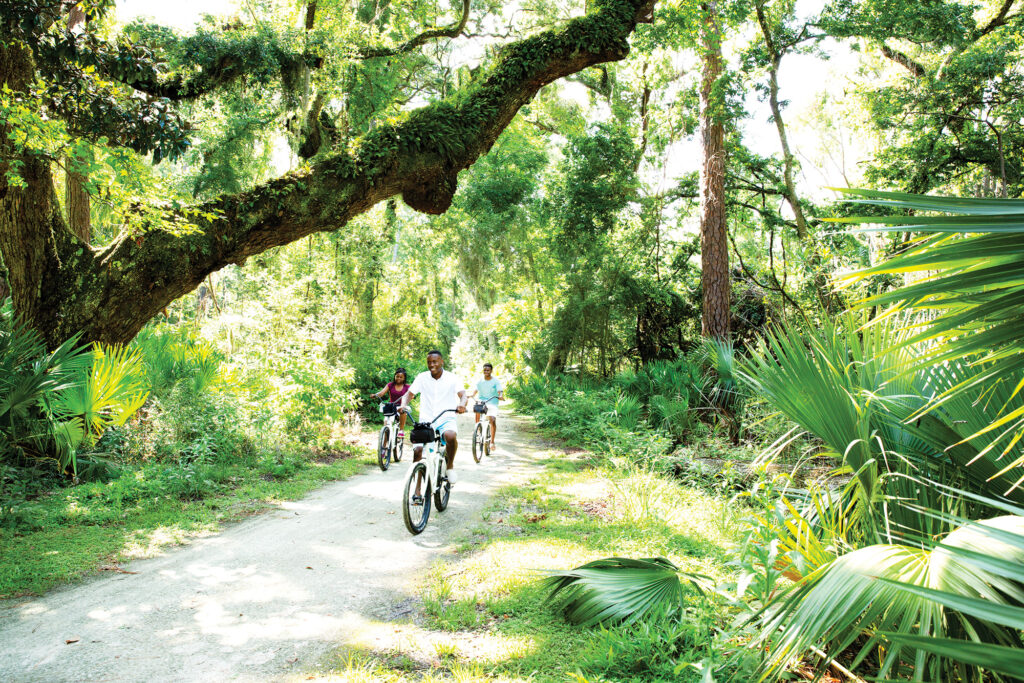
<point>111,294</point>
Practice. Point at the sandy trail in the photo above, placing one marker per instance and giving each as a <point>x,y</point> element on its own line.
<point>264,597</point>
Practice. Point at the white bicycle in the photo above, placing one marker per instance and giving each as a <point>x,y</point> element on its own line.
<point>427,478</point>
<point>389,445</point>
<point>482,431</point>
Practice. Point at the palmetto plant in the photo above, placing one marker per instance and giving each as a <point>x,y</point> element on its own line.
<point>857,389</point>
<point>971,289</point>
<point>622,590</point>
<point>917,611</point>
<point>51,403</point>
<point>29,375</point>
<point>107,392</point>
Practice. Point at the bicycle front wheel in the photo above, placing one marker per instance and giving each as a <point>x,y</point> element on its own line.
<point>384,448</point>
<point>443,490</point>
<point>478,442</point>
<point>416,507</point>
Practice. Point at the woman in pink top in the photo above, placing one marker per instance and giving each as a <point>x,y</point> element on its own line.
<point>396,390</point>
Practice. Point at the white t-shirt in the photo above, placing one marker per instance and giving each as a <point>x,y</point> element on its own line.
<point>437,394</point>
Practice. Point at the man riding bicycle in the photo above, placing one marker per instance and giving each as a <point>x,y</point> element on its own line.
<point>491,391</point>
<point>439,390</point>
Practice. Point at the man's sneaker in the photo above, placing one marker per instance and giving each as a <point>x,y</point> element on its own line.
<point>452,478</point>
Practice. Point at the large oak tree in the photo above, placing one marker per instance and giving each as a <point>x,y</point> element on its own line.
<point>62,286</point>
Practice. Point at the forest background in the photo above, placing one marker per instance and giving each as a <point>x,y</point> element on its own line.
<point>276,207</point>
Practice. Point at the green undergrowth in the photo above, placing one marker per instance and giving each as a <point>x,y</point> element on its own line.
<point>76,531</point>
<point>484,614</point>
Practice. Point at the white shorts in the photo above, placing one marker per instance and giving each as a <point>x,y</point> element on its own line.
<point>448,424</point>
<point>492,410</point>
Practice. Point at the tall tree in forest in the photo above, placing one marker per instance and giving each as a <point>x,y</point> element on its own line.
<point>62,287</point>
<point>714,236</point>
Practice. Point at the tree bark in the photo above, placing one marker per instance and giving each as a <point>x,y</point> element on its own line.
<point>62,287</point>
<point>76,203</point>
<point>714,242</point>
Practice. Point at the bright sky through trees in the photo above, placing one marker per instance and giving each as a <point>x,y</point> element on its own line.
<point>181,14</point>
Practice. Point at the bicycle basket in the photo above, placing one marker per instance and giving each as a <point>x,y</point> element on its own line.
<point>480,408</point>
<point>388,409</point>
<point>422,433</point>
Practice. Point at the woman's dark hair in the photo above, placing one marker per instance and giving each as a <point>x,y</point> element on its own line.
<point>402,371</point>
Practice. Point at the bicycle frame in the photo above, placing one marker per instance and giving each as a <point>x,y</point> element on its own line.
<point>392,445</point>
<point>428,475</point>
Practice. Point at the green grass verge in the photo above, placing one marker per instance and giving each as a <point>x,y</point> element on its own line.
<point>74,532</point>
<point>484,614</point>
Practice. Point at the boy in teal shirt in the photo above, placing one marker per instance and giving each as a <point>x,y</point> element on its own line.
<point>491,391</point>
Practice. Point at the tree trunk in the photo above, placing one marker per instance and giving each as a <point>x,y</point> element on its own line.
<point>714,239</point>
<point>76,202</point>
<point>62,287</point>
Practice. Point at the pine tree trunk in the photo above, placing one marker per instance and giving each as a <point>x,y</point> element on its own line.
<point>714,240</point>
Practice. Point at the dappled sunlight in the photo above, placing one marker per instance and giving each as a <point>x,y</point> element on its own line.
<point>151,542</point>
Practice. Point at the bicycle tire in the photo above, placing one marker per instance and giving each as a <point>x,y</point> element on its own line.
<point>478,443</point>
<point>396,454</point>
<point>416,524</point>
<point>384,448</point>
<point>443,491</point>
<point>487,440</point>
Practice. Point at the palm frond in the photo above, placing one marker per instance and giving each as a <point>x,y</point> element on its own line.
<point>969,296</point>
<point>621,590</point>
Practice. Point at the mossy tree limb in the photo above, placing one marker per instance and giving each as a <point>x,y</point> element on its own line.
<point>63,287</point>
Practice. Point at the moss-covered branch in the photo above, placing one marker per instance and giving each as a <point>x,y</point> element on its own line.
<point>423,38</point>
<point>111,294</point>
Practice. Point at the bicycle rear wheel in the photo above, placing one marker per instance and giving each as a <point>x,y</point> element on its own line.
<point>478,442</point>
<point>416,514</point>
<point>487,440</point>
<point>396,454</point>
<point>384,448</point>
<point>443,490</point>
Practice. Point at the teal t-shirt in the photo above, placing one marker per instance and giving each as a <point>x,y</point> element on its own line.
<point>489,390</point>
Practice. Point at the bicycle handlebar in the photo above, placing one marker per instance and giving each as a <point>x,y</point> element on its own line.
<point>450,410</point>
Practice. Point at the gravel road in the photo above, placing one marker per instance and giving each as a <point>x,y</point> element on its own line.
<point>264,597</point>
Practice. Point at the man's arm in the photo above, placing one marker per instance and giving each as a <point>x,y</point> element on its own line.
<point>407,398</point>
<point>462,405</point>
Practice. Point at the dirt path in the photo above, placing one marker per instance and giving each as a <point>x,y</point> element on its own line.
<point>264,597</point>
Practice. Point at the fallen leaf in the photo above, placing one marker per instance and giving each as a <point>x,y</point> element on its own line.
<point>308,567</point>
<point>115,568</point>
<point>71,640</point>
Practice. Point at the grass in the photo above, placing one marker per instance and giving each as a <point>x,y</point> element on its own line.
<point>484,614</point>
<point>79,530</point>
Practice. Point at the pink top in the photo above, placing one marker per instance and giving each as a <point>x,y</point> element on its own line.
<point>396,393</point>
